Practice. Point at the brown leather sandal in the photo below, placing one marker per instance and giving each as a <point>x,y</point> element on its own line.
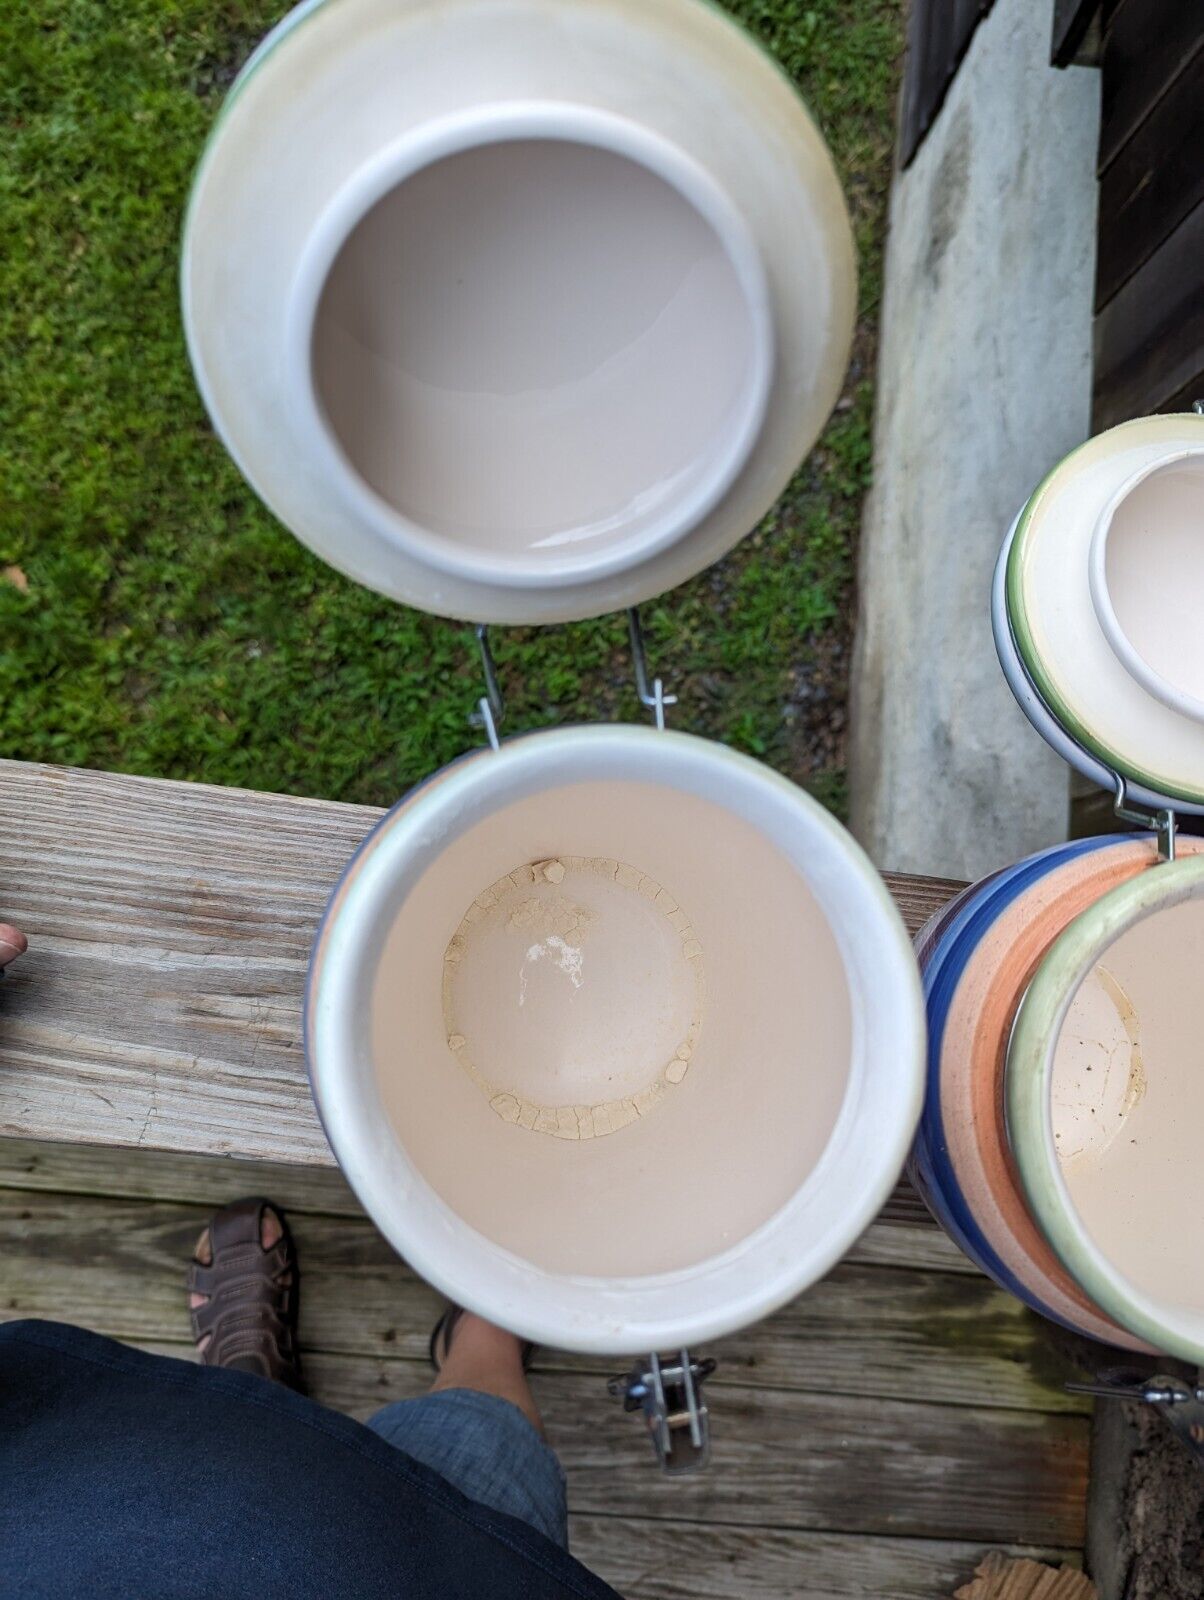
<point>250,1315</point>
<point>444,1331</point>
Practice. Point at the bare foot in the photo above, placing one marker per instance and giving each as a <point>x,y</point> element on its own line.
<point>13,943</point>
<point>270,1231</point>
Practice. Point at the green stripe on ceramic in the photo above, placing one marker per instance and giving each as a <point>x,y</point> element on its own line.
<point>1030,1067</point>
<point>285,28</point>
<point>1026,648</point>
<point>275,36</point>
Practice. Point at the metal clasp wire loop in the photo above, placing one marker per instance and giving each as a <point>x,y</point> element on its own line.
<point>491,707</point>
<point>1163,822</point>
<point>654,698</point>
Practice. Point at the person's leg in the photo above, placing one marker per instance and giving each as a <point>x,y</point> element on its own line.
<point>490,1361</point>
<point>479,1428</point>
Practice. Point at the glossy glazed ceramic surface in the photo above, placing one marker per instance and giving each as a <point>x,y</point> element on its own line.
<point>797,1106</point>
<point>1147,580</point>
<point>978,1023</point>
<point>1057,631</point>
<point>1115,1205</point>
<point>957,1193</point>
<point>546,356</point>
<point>1038,713</point>
<point>632,415</point>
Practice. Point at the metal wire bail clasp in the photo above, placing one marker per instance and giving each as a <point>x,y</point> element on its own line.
<point>491,707</point>
<point>669,1393</point>
<point>1163,822</point>
<point>1179,1401</point>
<point>655,697</point>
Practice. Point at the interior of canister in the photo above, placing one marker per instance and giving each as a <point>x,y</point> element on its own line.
<point>540,355</point>
<point>611,1028</point>
<point>1154,571</point>
<point>1125,1099</point>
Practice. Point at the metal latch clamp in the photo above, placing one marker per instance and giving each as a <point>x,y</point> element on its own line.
<point>669,1393</point>
<point>1180,1402</point>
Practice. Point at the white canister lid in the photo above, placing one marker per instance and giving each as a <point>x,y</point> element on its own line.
<point>1096,609</point>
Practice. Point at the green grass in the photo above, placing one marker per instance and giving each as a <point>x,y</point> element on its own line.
<point>154,618</point>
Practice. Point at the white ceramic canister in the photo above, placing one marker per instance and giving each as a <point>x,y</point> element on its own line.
<point>1103,1102</point>
<point>664,1120</point>
<point>526,312</point>
<point>1095,610</point>
<point>517,312</point>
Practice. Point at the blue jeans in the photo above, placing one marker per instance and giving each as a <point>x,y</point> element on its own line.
<point>487,1449</point>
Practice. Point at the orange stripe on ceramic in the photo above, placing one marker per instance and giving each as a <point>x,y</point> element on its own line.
<point>973,1063</point>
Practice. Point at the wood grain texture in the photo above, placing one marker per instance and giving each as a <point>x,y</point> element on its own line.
<point>1155,180</point>
<point>877,1332</point>
<point>1072,21</point>
<point>169,928</point>
<point>1001,1577</point>
<point>903,1235</point>
<point>938,36</point>
<point>159,1004</point>
<point>671,1558</point>
<point>1149,338</point>
<point>789,1461</point>
<point>680,1561</point>
<point>1147,45</point>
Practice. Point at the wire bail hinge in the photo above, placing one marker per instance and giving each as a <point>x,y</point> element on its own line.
<point>1179,1401</point>
<point>491,707</point>
<point>652,696</point>
<point>1163,822</point>
<point>669,1393</point>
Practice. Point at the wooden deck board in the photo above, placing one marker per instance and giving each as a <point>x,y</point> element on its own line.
<point>873,1331</point>
<point>159,1005</point>
<point>871,1439</point>
<point>679,1561</point>
<point>786,1460</point>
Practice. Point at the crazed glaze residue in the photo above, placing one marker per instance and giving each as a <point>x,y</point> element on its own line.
<point>1090,1113</point>
<point>1136,1085</point>
<point>534,903</point>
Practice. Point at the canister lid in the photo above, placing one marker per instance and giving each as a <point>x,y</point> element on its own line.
<point>1098,605</point>
<point>495,317</point>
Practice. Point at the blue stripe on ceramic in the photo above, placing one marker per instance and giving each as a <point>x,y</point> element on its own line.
<point>931,934</point>
<point>932,943</point>
<point>938,1180</point>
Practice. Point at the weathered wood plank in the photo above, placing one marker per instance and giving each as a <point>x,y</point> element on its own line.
<point>1073,21</point>
<point>904,1234</point>
<point>170,927</point>
<point>790,1461</point>
<point>680,1561</point>
<point>1147,44</point>
<point>1155,180</point>
<point>665,1558</point>
<point>170,924</point>
<point>879,1332</point>
<point>1149,338</point>
<point>812,1461</point>
<point>938,36</point>
<point>1184,399</point>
